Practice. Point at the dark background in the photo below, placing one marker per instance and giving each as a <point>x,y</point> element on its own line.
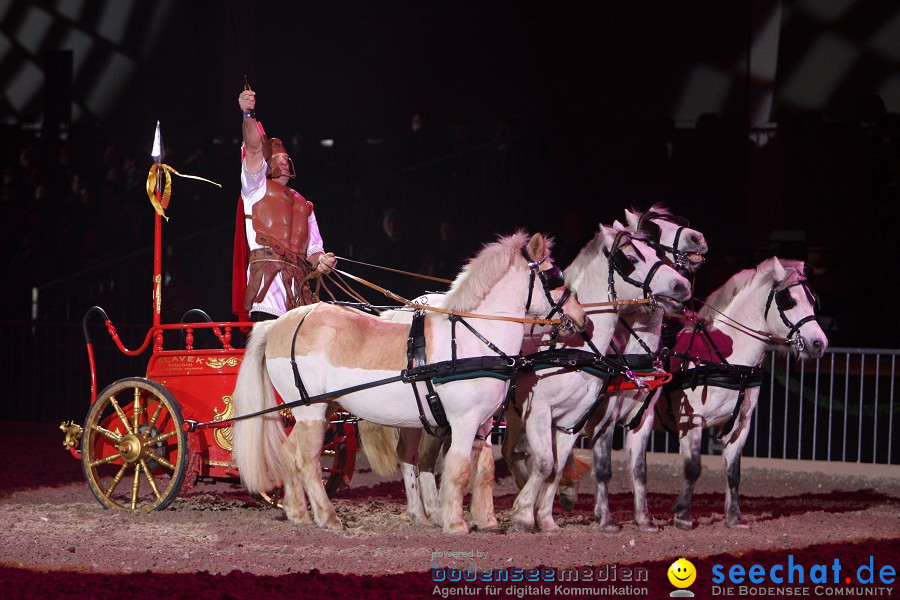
<point>574,111</point>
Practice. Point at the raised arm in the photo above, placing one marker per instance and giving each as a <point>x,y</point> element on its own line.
<point>253,158</point>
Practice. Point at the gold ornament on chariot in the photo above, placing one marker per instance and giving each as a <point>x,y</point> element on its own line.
<point>73,434</point>
<point>224,435</point>
<point>218,363</point>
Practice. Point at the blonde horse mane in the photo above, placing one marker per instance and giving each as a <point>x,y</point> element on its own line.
<point>481,273</point>
<point>722,297</point>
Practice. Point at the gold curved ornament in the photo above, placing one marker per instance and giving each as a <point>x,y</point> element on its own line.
<point>73,434</point>
<point>218,363</point>
<point>224,435</point>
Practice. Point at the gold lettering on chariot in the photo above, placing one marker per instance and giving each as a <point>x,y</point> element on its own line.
<point>224,435</point>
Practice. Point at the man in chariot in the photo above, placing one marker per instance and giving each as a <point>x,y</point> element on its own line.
<point>278,247</point>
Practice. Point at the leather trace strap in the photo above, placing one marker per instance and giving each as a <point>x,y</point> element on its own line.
<point>416,357</point>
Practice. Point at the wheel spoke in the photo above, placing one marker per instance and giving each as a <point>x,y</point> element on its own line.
<point>105,461</point>
<point>163,462</point>
<point>136,410</point>
<point>107,433</point>
<point>121,413</point>
<point>160,438</point>
<point>150,478</point>
<point>156,413</point>
<point>134,486</point>
<point>116,480</point>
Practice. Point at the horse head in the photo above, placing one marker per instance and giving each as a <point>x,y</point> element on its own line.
<point>632,263</point>
<point>671,235</point>
<point>559,298</point>
<point>791,305</point>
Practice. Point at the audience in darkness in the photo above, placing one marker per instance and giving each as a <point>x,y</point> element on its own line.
<point>71,206</point>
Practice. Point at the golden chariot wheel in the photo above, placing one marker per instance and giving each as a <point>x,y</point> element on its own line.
<point>134,452</point>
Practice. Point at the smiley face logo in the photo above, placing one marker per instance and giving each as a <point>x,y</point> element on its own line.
<point>682,573</point>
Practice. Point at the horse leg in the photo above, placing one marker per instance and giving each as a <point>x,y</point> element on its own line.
<point>312,433</point>
<point>407,452</point>
<point>429,450</point>
<point>732,456</point>
<point>455,478</point>
<point>538,434</point>
<point>483,481</point>
<point>514,448</point>
<point>636,448</point>
<point>563,444</point>
<point>294,501</point>
<point>602,455</point>
<point>690,451</point>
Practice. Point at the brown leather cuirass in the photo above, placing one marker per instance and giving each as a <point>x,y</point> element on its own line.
<point>281,221</point>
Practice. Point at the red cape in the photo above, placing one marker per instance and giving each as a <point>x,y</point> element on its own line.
<point>240,260</point>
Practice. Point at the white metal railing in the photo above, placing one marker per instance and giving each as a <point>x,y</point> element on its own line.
<point>840,407</point>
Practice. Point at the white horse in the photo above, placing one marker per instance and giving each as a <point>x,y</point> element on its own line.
<point>335,348</point>
<point>686,248</point>
<point>670,236</point>
<point>556,399</point>
<point>773,298</point>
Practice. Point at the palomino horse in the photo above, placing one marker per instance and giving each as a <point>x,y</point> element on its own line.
<point>718,384</point>
<point>567,384</point>
<point>326,348</point>
<point>417,455</point>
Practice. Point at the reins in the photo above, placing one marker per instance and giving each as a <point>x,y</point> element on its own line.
<point>758,334</point>
<point>401,272</point>
<point>445,311</point>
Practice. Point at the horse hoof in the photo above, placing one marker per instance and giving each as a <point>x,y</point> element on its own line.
<point>609,527</point>
<point>491,525</point>
<point>737,523</point>
<point>334,525</point>
<point>456,527</point>
<point>295,519</point>
<point>551,527</point>
<point>521,527</point>
<point>683,524</point>
<point>419,520</point>
<point>648,527</point>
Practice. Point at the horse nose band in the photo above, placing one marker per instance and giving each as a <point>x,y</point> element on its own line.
<point>784,302</point>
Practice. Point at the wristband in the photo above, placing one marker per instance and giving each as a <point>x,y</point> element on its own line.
<point>249,115</point>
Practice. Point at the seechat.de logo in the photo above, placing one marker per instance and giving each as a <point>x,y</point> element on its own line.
<point>682,574</point>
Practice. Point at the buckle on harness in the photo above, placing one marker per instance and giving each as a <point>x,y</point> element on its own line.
<point>629,374</point>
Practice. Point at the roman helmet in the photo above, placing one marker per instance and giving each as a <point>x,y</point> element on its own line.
<point>271,147</point>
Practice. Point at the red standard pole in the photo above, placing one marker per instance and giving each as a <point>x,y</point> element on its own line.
<point>157,251</point>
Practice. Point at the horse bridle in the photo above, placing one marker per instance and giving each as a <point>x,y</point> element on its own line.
<point>784,302</point>
<point>551,279</point>
<point>619,263</point>
<point>654,233</point>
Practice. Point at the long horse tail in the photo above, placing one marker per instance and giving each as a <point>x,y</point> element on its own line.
<point>258,440</point>
<point>380,445</point>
